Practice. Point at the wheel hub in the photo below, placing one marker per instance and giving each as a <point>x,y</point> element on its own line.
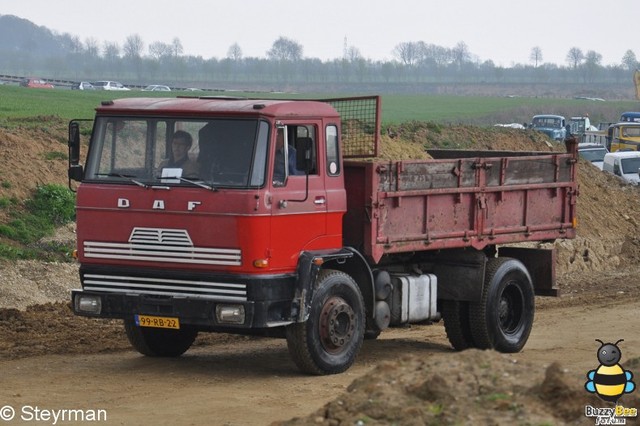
<point>510,309</point>
<point>337,324</point>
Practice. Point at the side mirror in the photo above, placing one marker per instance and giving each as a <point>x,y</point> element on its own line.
<point>74,143</point>
<point>76,171</point>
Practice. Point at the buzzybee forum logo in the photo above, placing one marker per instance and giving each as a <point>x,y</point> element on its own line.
<point>609,382</point>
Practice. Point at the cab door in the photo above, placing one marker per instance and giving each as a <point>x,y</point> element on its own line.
<point>299,199</point>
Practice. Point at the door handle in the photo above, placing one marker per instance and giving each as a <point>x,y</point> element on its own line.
<point>319,201</point>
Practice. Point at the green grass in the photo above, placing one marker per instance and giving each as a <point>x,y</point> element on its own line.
<point>20,105</point>
<point>52,205</point>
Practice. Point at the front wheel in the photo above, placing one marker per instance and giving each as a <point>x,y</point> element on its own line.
<point>503,318</point>
<point>330,339</point>
<point>159,342</point>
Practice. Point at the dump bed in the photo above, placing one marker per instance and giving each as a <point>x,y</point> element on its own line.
<point>459,199</point>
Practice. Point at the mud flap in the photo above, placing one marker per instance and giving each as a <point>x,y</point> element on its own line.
<point>541,264</point>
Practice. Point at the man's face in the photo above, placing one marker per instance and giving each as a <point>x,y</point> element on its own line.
<point>180,148</point>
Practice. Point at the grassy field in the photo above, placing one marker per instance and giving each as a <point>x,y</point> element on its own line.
<point>18,104</point>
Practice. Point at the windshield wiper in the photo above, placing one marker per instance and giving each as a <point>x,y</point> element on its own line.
<point>200,184</point>
<point>130,177</point>
<point>192,182</point>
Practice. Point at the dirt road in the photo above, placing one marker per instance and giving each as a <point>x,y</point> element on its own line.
<point>252,381</point>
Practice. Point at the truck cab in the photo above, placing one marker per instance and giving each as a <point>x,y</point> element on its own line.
<point>624,135</point>
<point>551,125</point>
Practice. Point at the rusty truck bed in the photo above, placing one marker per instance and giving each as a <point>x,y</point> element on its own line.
<point>460,199</point>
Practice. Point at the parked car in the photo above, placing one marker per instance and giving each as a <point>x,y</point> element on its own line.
<point>552,125</point>
<point>156,88</point>
<point>624,164</point>
<point>37,83</point>
<point>83,85</point>
<point>593,152</point>
<point>109,85</point>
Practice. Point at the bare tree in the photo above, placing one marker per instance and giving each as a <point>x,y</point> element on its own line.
<point>111,51</point>
<point>592,64</point>
<point>440,56</point>
<point>629,60</point>
<point>284,49</point>
<point>91,46</point>
<point>234,52</point>
<point>133,47</point>
<point>71,42</point>
<point>461,54</point>
<point>536,55</point>
<point>353,54</point>
<point>176,47</point>
<point>574,57</point>
<point>406,52</point>
<point>158,50</point>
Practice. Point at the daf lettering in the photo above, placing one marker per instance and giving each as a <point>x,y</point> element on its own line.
<point>124,203</point>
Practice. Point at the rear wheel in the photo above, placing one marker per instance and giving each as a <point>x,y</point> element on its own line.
<point>330,339</point>
<point>503,318</point>
<point>455,314</point>
<point>158,342</point>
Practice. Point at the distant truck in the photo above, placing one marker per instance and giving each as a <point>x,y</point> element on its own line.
<point>624,164</point>
<point>324,247</point>
<point>553,126</point>
<point>593,152</point>
<point>623,136</point>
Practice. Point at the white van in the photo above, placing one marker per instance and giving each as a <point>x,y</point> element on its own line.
<point>624,164</point>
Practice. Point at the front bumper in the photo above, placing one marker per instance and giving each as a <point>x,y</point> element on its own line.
<point>267,301</point>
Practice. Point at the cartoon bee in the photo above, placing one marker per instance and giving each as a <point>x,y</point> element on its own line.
<point>609,381</point>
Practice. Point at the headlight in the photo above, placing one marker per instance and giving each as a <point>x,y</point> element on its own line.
<point>230,314</point>
<point>88,304</point>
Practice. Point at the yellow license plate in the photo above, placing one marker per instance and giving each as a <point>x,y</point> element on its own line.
<point>157,322</point>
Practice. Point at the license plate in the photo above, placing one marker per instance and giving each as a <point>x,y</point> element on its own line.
<point>157,322</point>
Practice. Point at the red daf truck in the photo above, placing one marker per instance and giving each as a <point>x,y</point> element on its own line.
<point>294,227</point>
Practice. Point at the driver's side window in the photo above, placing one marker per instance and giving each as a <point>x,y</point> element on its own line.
<point>297,143</point>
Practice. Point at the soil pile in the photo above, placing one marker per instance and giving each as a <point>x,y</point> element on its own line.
<point>473,387</point>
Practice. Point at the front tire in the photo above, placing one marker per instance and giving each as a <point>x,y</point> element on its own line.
<point>157,342</point>
<point>330,339</point>
<point>503,318</point>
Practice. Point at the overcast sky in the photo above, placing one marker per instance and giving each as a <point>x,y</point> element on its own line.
<point>503,31</point>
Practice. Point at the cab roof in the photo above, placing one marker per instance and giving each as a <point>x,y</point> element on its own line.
<point>216,106</point>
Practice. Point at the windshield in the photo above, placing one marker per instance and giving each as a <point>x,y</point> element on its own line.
<point>152,151</point>
<point>593,154</point>
<point>546,122</point>
<point>630,165</point>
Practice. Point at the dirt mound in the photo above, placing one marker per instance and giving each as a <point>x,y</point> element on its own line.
<point>32,157</point>
<point>472,387</point>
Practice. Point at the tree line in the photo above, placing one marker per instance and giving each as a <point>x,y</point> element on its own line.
<point>284,65</point>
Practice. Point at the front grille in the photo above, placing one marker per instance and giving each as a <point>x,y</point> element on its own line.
<point>165,287</point>
<point>162,253</point>
<point>162,245</point>
<point>160,236</point>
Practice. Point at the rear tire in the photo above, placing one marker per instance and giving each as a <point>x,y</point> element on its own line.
<point>455,314</point>
<point>330,339</point>
<point>503,318</point>
<point>157,342</point>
